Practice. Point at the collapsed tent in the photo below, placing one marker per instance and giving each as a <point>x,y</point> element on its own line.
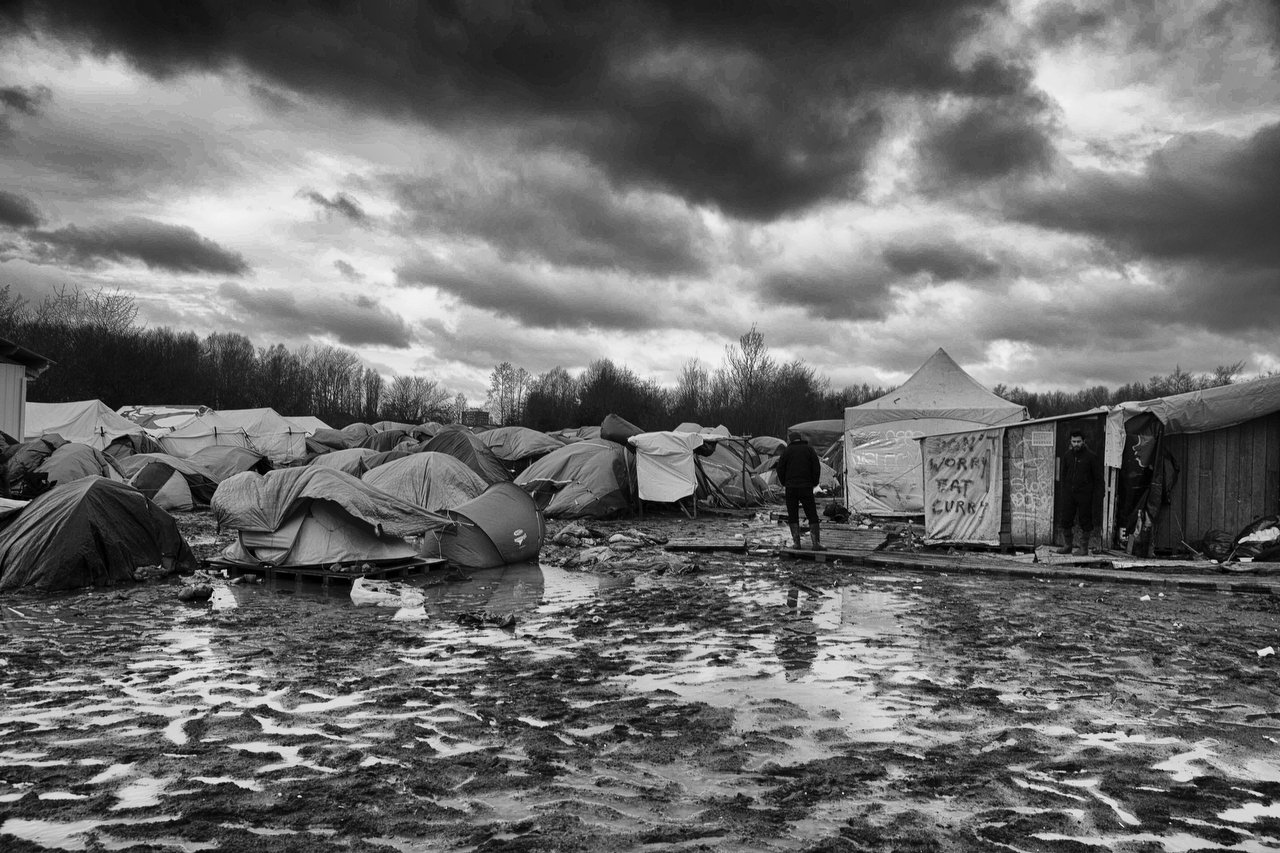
<point>726,475</point>
<point>171,483</point>
<point>74,461</point>
<point>319,516</point>
<point>21,462</point>
<point>883,473</point>
<point>586,479</point>
<point>499,527</point>
<point>434,481</point>
<point>518,446</point>
<point>460,443</point>
<point>89,422</point>
<point>92,532</point>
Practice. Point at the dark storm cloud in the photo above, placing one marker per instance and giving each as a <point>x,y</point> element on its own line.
<point>851,293</point>
<point>757,107</point>
<point>24,99</point>
<point>941,261</point>
<point>358,322</point>
<point>341,204</point>
<point>17,211</point>
<point>175,248</point>
<point>1203,197</point>
<point>541,302</point>
<point>564,219</point>
<point>348,272</point>
<point>990,141</point>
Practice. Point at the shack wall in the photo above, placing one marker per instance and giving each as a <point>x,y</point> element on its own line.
<point>1228,477</point>
<point>13,399</point>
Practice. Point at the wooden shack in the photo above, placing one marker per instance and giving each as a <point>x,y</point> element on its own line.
<point>1225,443</point>
<point>1027,489</point>
<point>18,366</point>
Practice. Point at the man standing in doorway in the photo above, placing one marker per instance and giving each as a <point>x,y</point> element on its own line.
<point>799,473</point>
<point>1081,478</point>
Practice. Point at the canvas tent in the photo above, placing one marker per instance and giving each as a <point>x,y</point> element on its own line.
<point>92,532</point>
<point>318,516</point>
<point>88,422</point>
<point>262,430</point>
<point>496,528</point>
<point>307,423</point>
<point>434,481</point>
<point>586,479</point>
<point>883,473</point>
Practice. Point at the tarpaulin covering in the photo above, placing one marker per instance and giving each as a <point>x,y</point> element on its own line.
<point>89,422</point>
<point>665,469</point>
<point>498,527</point>
<point>820,434</point>
<point>74,461</point>
<point>353,460</point>
<point>963,487</point>
<point>91,532</point>
<point>513,443</point>
<point>586,479</point>
<point>223,461</point>
<point>251,501</point>
<point>883,474</point>
<point>1212,408</point>
<point>434,481</point>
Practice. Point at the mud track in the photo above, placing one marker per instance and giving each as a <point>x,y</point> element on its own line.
<point>646,704</point>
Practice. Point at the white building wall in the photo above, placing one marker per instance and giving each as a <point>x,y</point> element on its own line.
<point>13,399</point>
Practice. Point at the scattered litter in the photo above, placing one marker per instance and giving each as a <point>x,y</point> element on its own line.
<point>223,599</point>
<point>385,593</point>
<point>1145,598</point>
<point>195,594</point>
<point>1262,653</point>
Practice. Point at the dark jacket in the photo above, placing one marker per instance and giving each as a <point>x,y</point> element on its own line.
<point>1081,473</point>
<point>798,466</point>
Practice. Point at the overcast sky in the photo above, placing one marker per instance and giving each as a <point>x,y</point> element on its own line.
<point>1060,194</point>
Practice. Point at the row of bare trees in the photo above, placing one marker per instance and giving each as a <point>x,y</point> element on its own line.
<point>102,353</point>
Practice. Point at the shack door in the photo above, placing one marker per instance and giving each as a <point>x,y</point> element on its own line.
<point>1031,467</point>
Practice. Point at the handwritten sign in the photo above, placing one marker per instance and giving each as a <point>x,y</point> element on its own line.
<point>962,487</point>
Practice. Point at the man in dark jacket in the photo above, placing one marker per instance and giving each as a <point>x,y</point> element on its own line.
<point>1080,478</point>
<point>799,472</point>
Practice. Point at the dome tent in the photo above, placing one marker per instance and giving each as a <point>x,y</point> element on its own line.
<point>499,527</point>
<point>883,467</point>
<point>171,483</point>
<point>73,461</point>
<point>460,443</point>
<point>90,532</point>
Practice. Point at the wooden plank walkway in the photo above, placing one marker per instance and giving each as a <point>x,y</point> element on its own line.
<point>739,546</point>
<point>1102,572</point>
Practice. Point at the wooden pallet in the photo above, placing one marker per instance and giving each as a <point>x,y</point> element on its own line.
<point>326,576</point>
<point>739,546</point>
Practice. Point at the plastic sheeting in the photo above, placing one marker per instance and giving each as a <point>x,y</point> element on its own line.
<point>1210,409</point>
<point>92,532</point>
<point>74,461</point>
<point>513,443</point>
<point>460,443</point>
<point>353,461</point>
<point>665,469</point>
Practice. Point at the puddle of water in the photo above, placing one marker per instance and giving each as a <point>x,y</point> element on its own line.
<point>247,784</point>
<point>141,793</point>
<point>66,835</point>
<point>1178,842</point>
<point>290,755</point>
<point>1250,812</point>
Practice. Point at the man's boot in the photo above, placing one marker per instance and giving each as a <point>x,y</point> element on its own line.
<point>1065,536</point>
<point>1082,544</point>
<point>795,536</point>
<point>815,537</point>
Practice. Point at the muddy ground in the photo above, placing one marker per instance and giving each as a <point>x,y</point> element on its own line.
<point>715,702</point>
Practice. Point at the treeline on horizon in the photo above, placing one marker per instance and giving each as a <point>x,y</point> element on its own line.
<point>102,353</point>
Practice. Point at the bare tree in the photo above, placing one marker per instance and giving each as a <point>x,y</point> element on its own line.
<point>112,311</point>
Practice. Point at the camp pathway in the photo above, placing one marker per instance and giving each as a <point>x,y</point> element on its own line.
<point>746,704</point>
